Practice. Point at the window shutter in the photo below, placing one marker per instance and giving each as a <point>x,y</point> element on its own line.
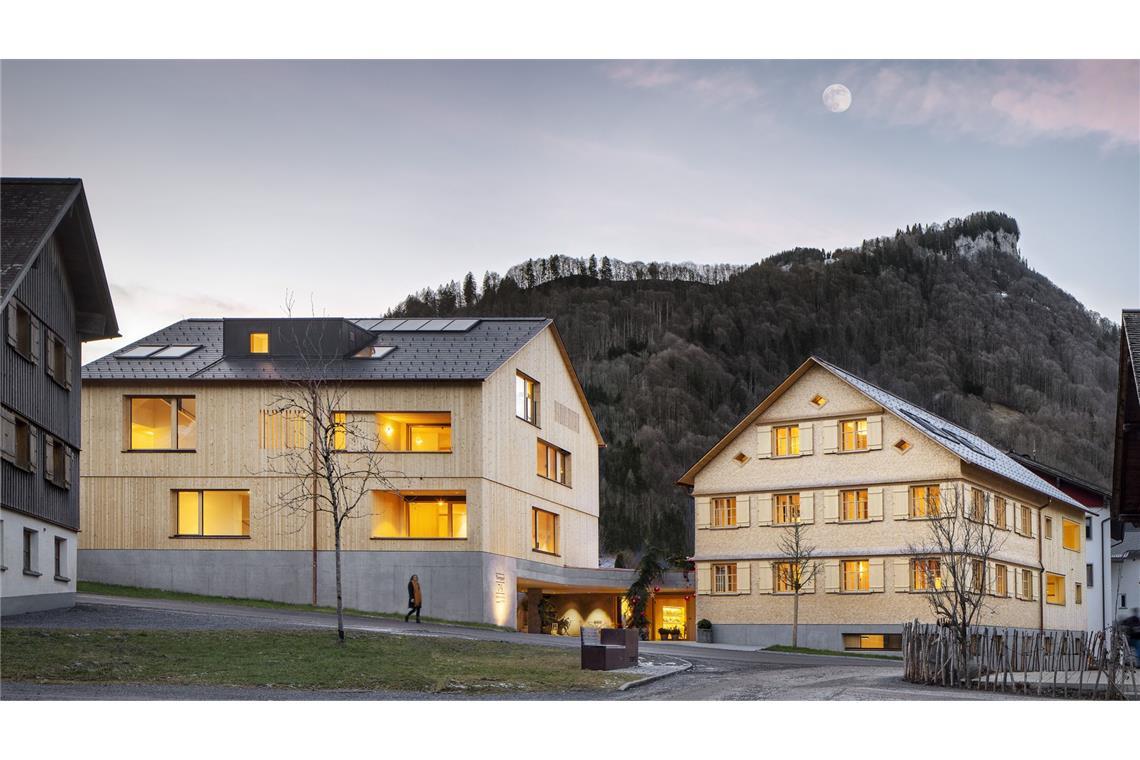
<point>991,578</point>
<point>875,503</point>
<point>901,574</point>
<point>807,444</point>
<point>764,442</point>
<point>50,363</point>
<point>807,506</point>
<point>1015,514</point>
<point>764,577</point>
<point>831,576</point>
<point>877,581</point>
<point>763,509</point>
<point>9,434</point>
<point>966,500</point>
<point>704,575</point>
<point>1036,593</point>
<point>744,510</point>
<point>68,458</point>
<point>67,367</point>
<point>702,503</point>
<point>49,458</point>
<point>875,432</point>
<point>830,437</point>
<point>809,581</point>
<point>900,502</point>
<point>12,316</point>
<point>35,330</point>
<point>33,446</point>
<point>831,506</point>
<point>744,578</point>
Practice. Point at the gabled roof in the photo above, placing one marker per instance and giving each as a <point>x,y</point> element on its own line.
<point>959,441</point>
<point>32,211</point>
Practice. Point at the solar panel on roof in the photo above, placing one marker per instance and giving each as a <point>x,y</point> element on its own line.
<point>175,352</point>
<point>388,324</point>
<point>461,325</point>
<point>435,324</point>
<point>410,324</point>
<point>138,352</point>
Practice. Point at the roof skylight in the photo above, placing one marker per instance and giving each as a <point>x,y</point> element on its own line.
<point>175,352</point>
<point>139,352</point>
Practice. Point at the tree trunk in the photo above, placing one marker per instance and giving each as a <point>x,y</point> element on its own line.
<point>339,601</point>
<point>795,619</point>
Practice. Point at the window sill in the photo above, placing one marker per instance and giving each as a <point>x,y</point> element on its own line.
<point>856,522</point>
<point>160,451</point>
<point>857,593</point>
<point>1055,604</point>
<point>852,451</point>
<point>62,579</point>
<point>543,551</point>
<point>532,424</point>
<point>417,538</point>
<point>383,453</point>
<point>19,466</point>
<point>60,486</point>
<point>552,480</point>
<point>198,537</point>
<point>32,573</point>
<point>66,386</point>
<point>725,527</point>
<point>788,456</point>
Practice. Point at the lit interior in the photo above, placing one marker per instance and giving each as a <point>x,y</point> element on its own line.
<point>927,575</point>
<point>787,440</point>
<point>856,575</point>
<point>854,504</point>
<point>925,501</point>
<point>151,423</point>
<point>414,431</point>
<point>724,511</point>
<point>418,516</point>
<point>786,508</point>
<point>258,343</point>
<point>545,531</point>
<point>526,399</point>
<point>854,434</point>
<point>1054,588</point>
<point>213,513</point>
<point>1070,534</point>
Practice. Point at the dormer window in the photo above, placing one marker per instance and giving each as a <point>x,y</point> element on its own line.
<point>259,342</point>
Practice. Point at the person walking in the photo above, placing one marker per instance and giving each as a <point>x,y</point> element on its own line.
<point>415,598</point>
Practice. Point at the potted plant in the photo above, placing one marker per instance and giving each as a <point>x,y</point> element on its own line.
<point>704,631</point>
<point>663,634</point>
<point>675,634</point>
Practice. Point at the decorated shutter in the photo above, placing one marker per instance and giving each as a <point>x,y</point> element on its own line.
<point>807,442</point>
<point>830,437</point>
<point>875,503</point>
<point>34,325</point>
<point>33,447</point>
<point>49,458</point>
<point>744,577</point>
<point>704,578</point>
<point>764,442</point>
<point>900,502</point>
<point>831,576</point>
<point>744,510</point>
<point>702,504</point>
<point>807,506</point>
<point>875,432</point>
<point>877,580</point>
<point>830,506</point>
<point>901,573</point>
<point>67,366</point>
<point>764,578</point>
<point>763,509</point>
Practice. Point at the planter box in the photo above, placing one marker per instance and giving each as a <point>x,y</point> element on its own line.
<point>704,635</point>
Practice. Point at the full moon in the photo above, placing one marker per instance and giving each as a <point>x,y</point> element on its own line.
<point>836,98</point>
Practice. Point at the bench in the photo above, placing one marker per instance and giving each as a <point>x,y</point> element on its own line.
<point>608,648</point>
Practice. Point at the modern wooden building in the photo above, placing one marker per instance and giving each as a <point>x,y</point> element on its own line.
<point>868,471</point>
<point>482,423</point>
<point>54,296</point>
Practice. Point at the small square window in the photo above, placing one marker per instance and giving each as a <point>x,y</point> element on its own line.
<point>258,343</point>
<point>902,445</point>
<point>818,400</point>
<point>741,458</point>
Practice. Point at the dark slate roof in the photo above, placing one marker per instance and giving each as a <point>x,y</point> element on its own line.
<point>470,355</point>
<point>967,446</point>
<point>30,210</point>
<point>1130,325</point>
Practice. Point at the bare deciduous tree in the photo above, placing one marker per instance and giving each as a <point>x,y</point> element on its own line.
<point>797,568</point>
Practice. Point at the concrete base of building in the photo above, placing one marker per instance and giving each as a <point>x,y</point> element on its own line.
<point>811,636</point>
<point>18,605</point>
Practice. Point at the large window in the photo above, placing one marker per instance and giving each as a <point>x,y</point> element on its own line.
<point>221,514</point>
<point>786,508</point>
<point>163,423</point>
<point>883,641</point>
<point>786,440</point>
<point>414,431</point>
<point>724,578</point>
<point>724,511</point>
<point>925,501</point>
<point>787,576</point>
<point>926,574</point>
<point>853,435</point>
<point>545,531</point>
<point>526,398</point>
<point>413,515</point>
<point>1001,580</point>
<point>553,463</point>
<point>1070,534</point>
<point>19,441</point>
<point>1054,588</point>
<point>856,575</point>
<point>853,504</point>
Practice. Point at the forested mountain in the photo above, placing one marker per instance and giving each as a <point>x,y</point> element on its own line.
<point>950,317</point>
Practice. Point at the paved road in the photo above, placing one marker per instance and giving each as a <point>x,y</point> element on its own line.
<point>718,672</point>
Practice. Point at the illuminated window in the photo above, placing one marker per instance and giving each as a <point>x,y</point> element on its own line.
<point>1026,524</point>
<point>853,435</point>
<point>553,463</point>
<point>786,440</point>
<point>818,400</point>
<point>258,343</point>
<point>902,445</point>
<point>724,578</point>
<point>883,641</point>
<point>1027,584</point>
<point>414,431</point>
<point>339,431</point>
<point>222,514</point>
<point>1070,534</point>
<point>1078,594</point>
<point>925,501</point>
<point>741,458</point>
<point>545,531</point>
<point>283,429</point>
<point>786,508</point>
<point>163,423</point>
<point>856,575</point>
<point>1001,580</point>
<point>1000,521</point>
<point>1054,588</point>
<point>854,504</point>
<point>978,506</point>
<point>1047,528</point>
<point>787,576</point>
<point>526,398</point>
<point>419,515</point>
<point>724,511</point>
<point>926,574</point>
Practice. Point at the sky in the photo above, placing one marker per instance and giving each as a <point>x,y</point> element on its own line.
<point>217,187</point>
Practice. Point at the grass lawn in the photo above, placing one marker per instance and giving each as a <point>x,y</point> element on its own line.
<point>293,660</point>
<point>833,652</point>
<point>107,589</point>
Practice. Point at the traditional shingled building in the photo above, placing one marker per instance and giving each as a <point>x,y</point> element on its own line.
<point>54,296</point>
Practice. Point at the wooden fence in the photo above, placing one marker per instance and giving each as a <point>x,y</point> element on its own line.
<point>1094,664</point>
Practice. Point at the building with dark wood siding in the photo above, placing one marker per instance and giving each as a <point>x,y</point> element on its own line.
<point>54,296</point>
<point>1126,462</point>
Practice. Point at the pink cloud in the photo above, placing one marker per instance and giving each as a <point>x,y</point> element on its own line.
<point>719,87</point>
